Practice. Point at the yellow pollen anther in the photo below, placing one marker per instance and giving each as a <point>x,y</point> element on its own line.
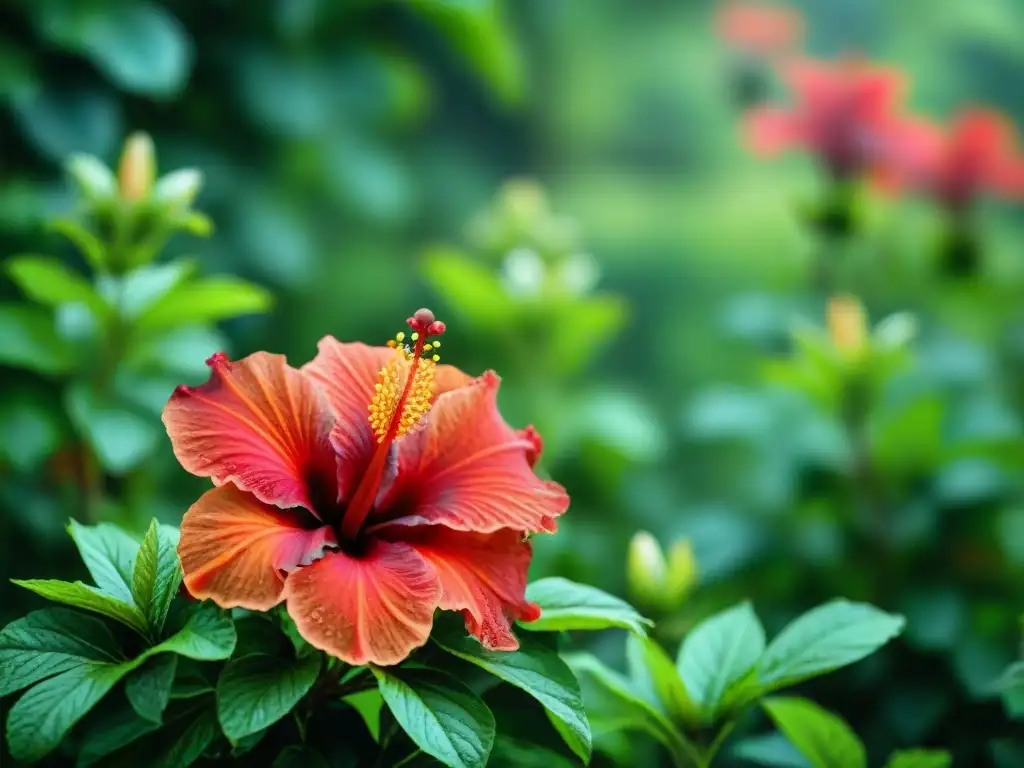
<point>400,336</point>
<point>387,397</point>
<point>415,337</point>
<point>436,344</point>
<point>435,358</point>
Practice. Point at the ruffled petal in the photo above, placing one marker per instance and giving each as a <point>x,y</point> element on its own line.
<point>375,608</point>
<point>233,548</point>
<point>469,470</point>
<point>257,423</point>
<point>347,374</point>
<point>482,575</point>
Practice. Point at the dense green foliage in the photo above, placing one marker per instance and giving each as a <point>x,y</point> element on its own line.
<point>657,314</point>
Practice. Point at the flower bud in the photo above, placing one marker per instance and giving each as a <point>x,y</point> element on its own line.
<point>137,169</point>
<point>646,569</point>
<point>847,325</point>
<point>682,573</point>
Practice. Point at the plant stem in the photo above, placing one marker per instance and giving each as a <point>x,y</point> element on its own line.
<point>712,750</point>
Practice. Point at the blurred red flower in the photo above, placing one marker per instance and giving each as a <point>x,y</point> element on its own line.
<point>978,153</point>
<point>337,493</point>
<point>843,112</point>
<point>760,30</point>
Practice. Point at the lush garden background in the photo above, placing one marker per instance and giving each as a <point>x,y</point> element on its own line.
<point>566,185</point>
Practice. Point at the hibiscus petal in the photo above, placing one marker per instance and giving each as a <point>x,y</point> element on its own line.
<point>482,575</point>
<point>347,373</point>
<point>258,423</point>
<point>375,608</point>
<point>469,470</point>
<point>233,548</point>
<point>770,130</point>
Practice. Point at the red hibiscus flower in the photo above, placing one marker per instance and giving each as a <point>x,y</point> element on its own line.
<point>366,489</point>
<point>759,30</point>
<point>977,154</point>
<point>843,113</point>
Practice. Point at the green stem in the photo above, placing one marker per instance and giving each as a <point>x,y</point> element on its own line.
<point>712,750</point>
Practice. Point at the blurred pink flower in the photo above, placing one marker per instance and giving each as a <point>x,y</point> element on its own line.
<point>977,153</point>
<point>761,30</point>
<point>843,112</point>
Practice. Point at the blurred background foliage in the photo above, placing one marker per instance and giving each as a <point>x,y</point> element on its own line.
<point>363,158</point>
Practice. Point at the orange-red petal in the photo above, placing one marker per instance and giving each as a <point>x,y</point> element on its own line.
<point>482,575</point>
<point>257,423</point>
<point>373,608</point>
<point>469,470</point>
<point>770,130</point>
<point>233,548</point>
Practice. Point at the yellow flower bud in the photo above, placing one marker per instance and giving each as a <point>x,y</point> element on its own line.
<point>654,582</point>
<point>137,169</point>
<point>847,325</point>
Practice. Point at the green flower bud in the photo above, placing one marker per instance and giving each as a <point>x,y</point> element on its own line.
<point>657,583</point>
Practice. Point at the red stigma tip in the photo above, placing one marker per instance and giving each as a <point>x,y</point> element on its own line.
<point>217,358</point>
<point>423,321</point>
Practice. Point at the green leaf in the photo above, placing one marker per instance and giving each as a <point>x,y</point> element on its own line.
<point>186,735</point>
<point>157,574</point>
<point>29,339</point>
<point>256,691</point>
<point>79,595</point>
<point>622,708</point>
<point>910,440</point>
<point>109,555</point>
<point>110,733</point>
<point>718,653</point>
<point>825,638</point>
<point>823,738</point>
<point>920,758</point>
<point>442,717</point>
<point>654,674</point>
<point>49,642</point>
<point>1011,686</point>
<point>772,750</point>
<point>369,705</point>
<point>516,753</point>
<point>144,286</point>
<point>48,281</point>
<point>39,720</point>
<point>539,671</point>
<point>87,243</point>
<point>205,301</point>
<point>149,687</point>
<point>567,605</point>
<point>95,181</point>
<point>297,756</point>
<point>207,635</point>
<point>121,438</point>
<point>469,287</point>
<point>141,47</point>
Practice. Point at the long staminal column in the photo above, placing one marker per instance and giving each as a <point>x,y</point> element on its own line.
<point>396,408</point>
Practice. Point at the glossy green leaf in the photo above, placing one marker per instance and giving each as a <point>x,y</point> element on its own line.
<point>208,634</point>
<point>51,641</point>
<point>567,605</point>
<point>823,738</point>
<point>539,671</point>
<point>718,653</point>
<point>110,733</point>
<point>920,758</point>
<point>442,717</point>
<point>149,687</point>
<point>39,720</point>
<point>655,676</point>
<point>109,555</point>
<point>621,707</point>
<point>825,638</point>
<point>157,574</point>
<point>48,281</point>
<point>256,691</point>
<point>29,339</point>
<point>205,301</point>
<point>79,595</point>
